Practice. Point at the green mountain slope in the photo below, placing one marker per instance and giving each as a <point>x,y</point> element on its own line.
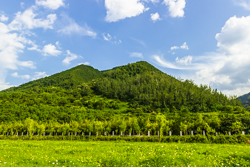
<point>136,89</point>
<point>146,87</point>
<point>245,99</point>
<point>67,79</point>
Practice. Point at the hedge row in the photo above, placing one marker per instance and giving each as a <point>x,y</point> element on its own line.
<point>220,139</point>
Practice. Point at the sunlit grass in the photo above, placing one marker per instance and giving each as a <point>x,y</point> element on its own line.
<point>77,153</point>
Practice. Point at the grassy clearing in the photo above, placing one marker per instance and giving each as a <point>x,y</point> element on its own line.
<point>77,153</point>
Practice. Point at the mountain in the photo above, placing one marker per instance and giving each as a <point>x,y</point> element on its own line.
<point>245,99</point>
<point>87,93</point>
<point>67,79</point>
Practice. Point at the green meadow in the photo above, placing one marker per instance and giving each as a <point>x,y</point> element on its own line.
<point>121,153</point>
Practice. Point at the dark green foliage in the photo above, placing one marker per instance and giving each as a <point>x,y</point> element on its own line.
<point>145,86</point>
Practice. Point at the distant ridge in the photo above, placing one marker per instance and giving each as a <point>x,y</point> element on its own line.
<point>245,99</point>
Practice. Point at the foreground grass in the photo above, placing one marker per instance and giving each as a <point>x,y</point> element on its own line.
<point>77,153</point>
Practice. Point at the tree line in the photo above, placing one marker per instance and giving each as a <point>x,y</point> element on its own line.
<point>222,123</point>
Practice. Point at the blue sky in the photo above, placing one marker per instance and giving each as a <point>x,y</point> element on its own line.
<point>207,41</point>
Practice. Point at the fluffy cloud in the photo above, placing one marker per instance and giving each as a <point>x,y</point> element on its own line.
<point>136,54</point>
<point>155,16</point>
<point>70,57</point>
<point>51,50</point>
<point>3,18</point>
<point>28,20</point>
<point>175,7</point>
<point>183,46</point>
<point>16,75</point>
<point>14,39</point>
<point>27,64</point>
<point>228,68</point>
<point>51,4</point>
<point>121,9</point>
<point>11,44</point>
<point>69,27</point>
<point>39,75</point>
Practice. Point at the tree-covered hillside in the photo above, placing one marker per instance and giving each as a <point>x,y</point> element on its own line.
<point>137,89</point>
<point>130,97</point>
<point>67,79</point>
<point>146,87</point>
<point>245,99</point>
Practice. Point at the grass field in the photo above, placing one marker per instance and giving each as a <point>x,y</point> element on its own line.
<point>77,153</point>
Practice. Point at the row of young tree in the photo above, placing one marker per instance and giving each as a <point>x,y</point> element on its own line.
<point>160,123</point>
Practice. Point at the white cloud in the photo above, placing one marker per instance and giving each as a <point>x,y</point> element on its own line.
<point>34,47</point>
<point>39,75</point>
<point>136,54</point>
<point>183,46</point>
<point>175,47</point>
<point>153,1</point>
<point>185,60</point>
<point>51,4</point>
<point>11,44</point>
<point>155,16</point>
<point>51,50</point>
<point>106,37</point>
<point>175,7</point>
<point>3,18</point>
<point>16,75</point>
<point>243,3</point>
<point>121,9</point>
<point>27,64</point>
<point>159,60</point>
<point>69,27</point>
<point>70,57</point>
<point>4,86</point>
<point>228,68</point>
<point>14,39</point>
<point>28,20</point>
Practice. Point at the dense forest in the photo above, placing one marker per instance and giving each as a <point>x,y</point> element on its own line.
<point>136,92</point>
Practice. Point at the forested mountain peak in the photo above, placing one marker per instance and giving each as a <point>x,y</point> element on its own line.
<point>66,79</point>
<point>133,69</point>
